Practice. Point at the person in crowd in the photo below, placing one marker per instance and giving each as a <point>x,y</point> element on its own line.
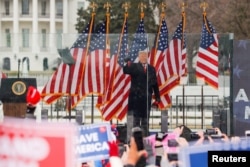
<point>115,133</point>
<point>132,154</point>
<point>143,85</point>
<point>86,164</point>
<point>157,157</point>
<point>158,153</point>
<point>32,99</point>
<point>209,136</point>
<point>1,112</point>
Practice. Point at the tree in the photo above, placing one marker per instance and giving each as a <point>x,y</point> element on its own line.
<point>117,16</point>
<point>238,20</point>
<point>227,16</point>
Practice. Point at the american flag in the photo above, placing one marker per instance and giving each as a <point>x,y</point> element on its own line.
<point>207,61</point>
<point>117,106</point>
<point>158,51</point>
<point>58,85</point>
<point>102,98</point>
<point>173,65</point>
<point>140,42</point>
<point>95,68</point>
<point>93,82</point>
<point>117,78</point>
<point>183,71</point>
<point>173,59</point>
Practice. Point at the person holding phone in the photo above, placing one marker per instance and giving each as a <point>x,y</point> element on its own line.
<point>133,155</point>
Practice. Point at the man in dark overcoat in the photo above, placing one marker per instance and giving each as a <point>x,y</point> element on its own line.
<point>143,86</point>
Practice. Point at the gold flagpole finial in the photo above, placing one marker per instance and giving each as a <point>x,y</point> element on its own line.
<point>204,5</point>
<point>183,6</point>
<point>142,6</point>
<point>163,6</point>
<point>93,5</point>
<point>107,6</point>
<point>126,5</point>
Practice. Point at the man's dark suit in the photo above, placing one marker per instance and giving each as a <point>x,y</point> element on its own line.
<point>143,85</point>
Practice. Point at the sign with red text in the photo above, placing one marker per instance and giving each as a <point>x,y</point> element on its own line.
<point>25,143</point>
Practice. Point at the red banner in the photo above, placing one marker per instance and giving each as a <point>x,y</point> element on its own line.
<point>25,143</point>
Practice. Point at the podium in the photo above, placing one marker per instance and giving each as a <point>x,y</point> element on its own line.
<point>13,95</point>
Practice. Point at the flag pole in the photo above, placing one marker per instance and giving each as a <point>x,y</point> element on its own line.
<point>113,75</point>
<point>142,6</point>
<point>93,6</point>
<point>203,5</point>
<point>183,6</point>
<point>163,7</point>
<point>126,6</point>
<point>69,60</point>
<point>70,84</point>
<point>107,6</point>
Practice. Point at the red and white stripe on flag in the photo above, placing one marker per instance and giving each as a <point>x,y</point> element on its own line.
<point>207,64</point>
<point>207,61</point>
<point>58,84</point>
<point>93,81</point>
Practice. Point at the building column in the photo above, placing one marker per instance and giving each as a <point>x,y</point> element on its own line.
<point>65,27</point>
<point>15,27</point>
<point>65,17</point>
<point>52,42</point>
<point>35,35</point>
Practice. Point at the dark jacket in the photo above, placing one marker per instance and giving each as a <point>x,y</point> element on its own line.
<point>143,85</point>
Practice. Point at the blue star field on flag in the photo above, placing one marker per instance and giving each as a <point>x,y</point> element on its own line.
<point>163,37</point>
<point>178,34</point>
<point>99,38</point>
<point>124,45</point>
<point>139,43</point>
<point>207,37</point>
<point>81,41</point>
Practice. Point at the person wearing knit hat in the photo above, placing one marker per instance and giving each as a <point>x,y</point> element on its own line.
<point>33,96</point>
<point>132,155</point>
<point>32,99</point>
<point>114,159</point>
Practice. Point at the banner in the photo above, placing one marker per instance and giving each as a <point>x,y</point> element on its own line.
<point>241,88</point>
<point>25,143</point>
<point>92,142</point>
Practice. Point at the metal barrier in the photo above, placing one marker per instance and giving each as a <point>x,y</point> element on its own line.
<point>190,114</point>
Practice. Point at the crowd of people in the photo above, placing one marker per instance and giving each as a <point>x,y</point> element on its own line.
<point>160,149</point>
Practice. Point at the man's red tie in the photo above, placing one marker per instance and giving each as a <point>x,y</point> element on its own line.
<point>145,67</point>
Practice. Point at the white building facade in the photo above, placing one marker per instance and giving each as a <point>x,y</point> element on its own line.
<point>33,30</point>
